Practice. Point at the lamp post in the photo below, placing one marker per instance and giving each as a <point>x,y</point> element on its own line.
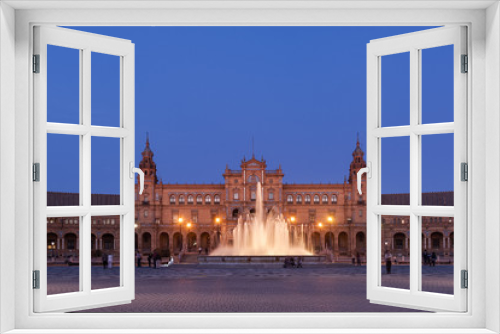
<point>187,240</point>
<point>320,225</point>
<point>180,220</point>
<point>217,230</point>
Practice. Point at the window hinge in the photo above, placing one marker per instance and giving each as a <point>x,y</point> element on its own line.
<point>465,64</point>
<point>465,279</point>
<point>36,172</point>
<point>464,167</point>
<point>36,63</point>
<point>36,279</point>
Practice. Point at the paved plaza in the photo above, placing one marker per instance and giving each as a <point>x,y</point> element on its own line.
<point>197,288</point>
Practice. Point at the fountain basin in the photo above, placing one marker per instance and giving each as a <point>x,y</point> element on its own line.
<point>271,260</point>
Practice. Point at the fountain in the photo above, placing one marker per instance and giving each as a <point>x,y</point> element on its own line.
<point>264,234</point>
<point>262,238</point>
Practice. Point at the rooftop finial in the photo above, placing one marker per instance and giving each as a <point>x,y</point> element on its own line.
<point>358,137</point>
<point>147,138</point>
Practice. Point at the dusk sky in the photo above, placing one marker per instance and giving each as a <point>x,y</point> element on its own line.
<point>203,93</point>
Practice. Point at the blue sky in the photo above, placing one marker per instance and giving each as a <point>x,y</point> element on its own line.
<point>203,93</point>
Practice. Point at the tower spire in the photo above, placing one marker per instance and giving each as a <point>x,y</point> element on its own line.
<point>147,138</point>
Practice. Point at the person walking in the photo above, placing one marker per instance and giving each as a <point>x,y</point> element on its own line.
<point>424,256</point>
<point>104,260</point>
<point>138,257</point>
<point>199,250</point>
<point>156,256</point>
<point>358,258</point>
<point>388,261</point>
<point>149,259</point>
<point>433,259</point>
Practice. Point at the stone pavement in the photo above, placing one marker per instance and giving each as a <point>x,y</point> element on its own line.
<point>196,288</point>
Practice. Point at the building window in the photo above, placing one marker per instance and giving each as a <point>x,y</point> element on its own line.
<point>208,199</point>
<point>324,199</point>
<point>194,216</point>
<point>289,199</point>
<point>271,196</point>
<point>190,199</point>
<point>299,199</point>
<point>175,216</point>
<point>199,199</point>
<point>308,199</point>
<point>253,179</point>
<point>216,199</point>
<point>252,195</point>
<point>316,199</point>
<point>181,199</point>
<point>236,213</point>
<point>146,213</point>
<point>157,197</point>
<point>348,196</point>
<point>172,199</point>
<point>361,213</point>
<point>236,196</point>
<point>146,199</point>
<point>334,199</point>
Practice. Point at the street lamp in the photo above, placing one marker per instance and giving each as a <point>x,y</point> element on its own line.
<point>180,220</point>
<point>330,220</point>
<point>217,229</point>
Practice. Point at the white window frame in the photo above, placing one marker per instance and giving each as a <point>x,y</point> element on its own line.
<point>86,44</point>
<point>414,43</point>
<point>484,103</point>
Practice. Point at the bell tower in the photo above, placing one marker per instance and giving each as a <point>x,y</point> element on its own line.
<point>148,166</point>
<point>357,163</point>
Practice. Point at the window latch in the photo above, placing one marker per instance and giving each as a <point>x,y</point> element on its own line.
<point>368,171</point>
<point>134,170</point>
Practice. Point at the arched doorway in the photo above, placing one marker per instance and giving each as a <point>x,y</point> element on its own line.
<point>205,241</point>
<point>329,240</point>
<point>236,213</point>
<point>108,242</point>
<point>146,242</point>
<point>343,243</point>
<point>316,241</point>
<point>191,242</point>
<point>436,241</point>
<point>164,244</point>
<point>70,241</point>
<point>177,242</point>
<point>360,243</point>
<point>399,241</point>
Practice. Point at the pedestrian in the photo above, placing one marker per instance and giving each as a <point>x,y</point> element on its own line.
<point>299,262</point>
<point>358,258</point>
<point>433,258</point>
<point>424,256</point>
<point>104,260</point>
<point>353,260</point>
<point>155,259</point>
<point>388,261</point>
<point>199,250</point>
<point>138,257</point>
<point>206,251</point>
<point>149,259</point>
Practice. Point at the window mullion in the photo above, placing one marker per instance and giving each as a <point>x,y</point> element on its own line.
<point>85,168</point>
<point>415,166</point>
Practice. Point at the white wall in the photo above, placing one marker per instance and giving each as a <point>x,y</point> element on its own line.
<point>7,159</point>
<point>491,167</point>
